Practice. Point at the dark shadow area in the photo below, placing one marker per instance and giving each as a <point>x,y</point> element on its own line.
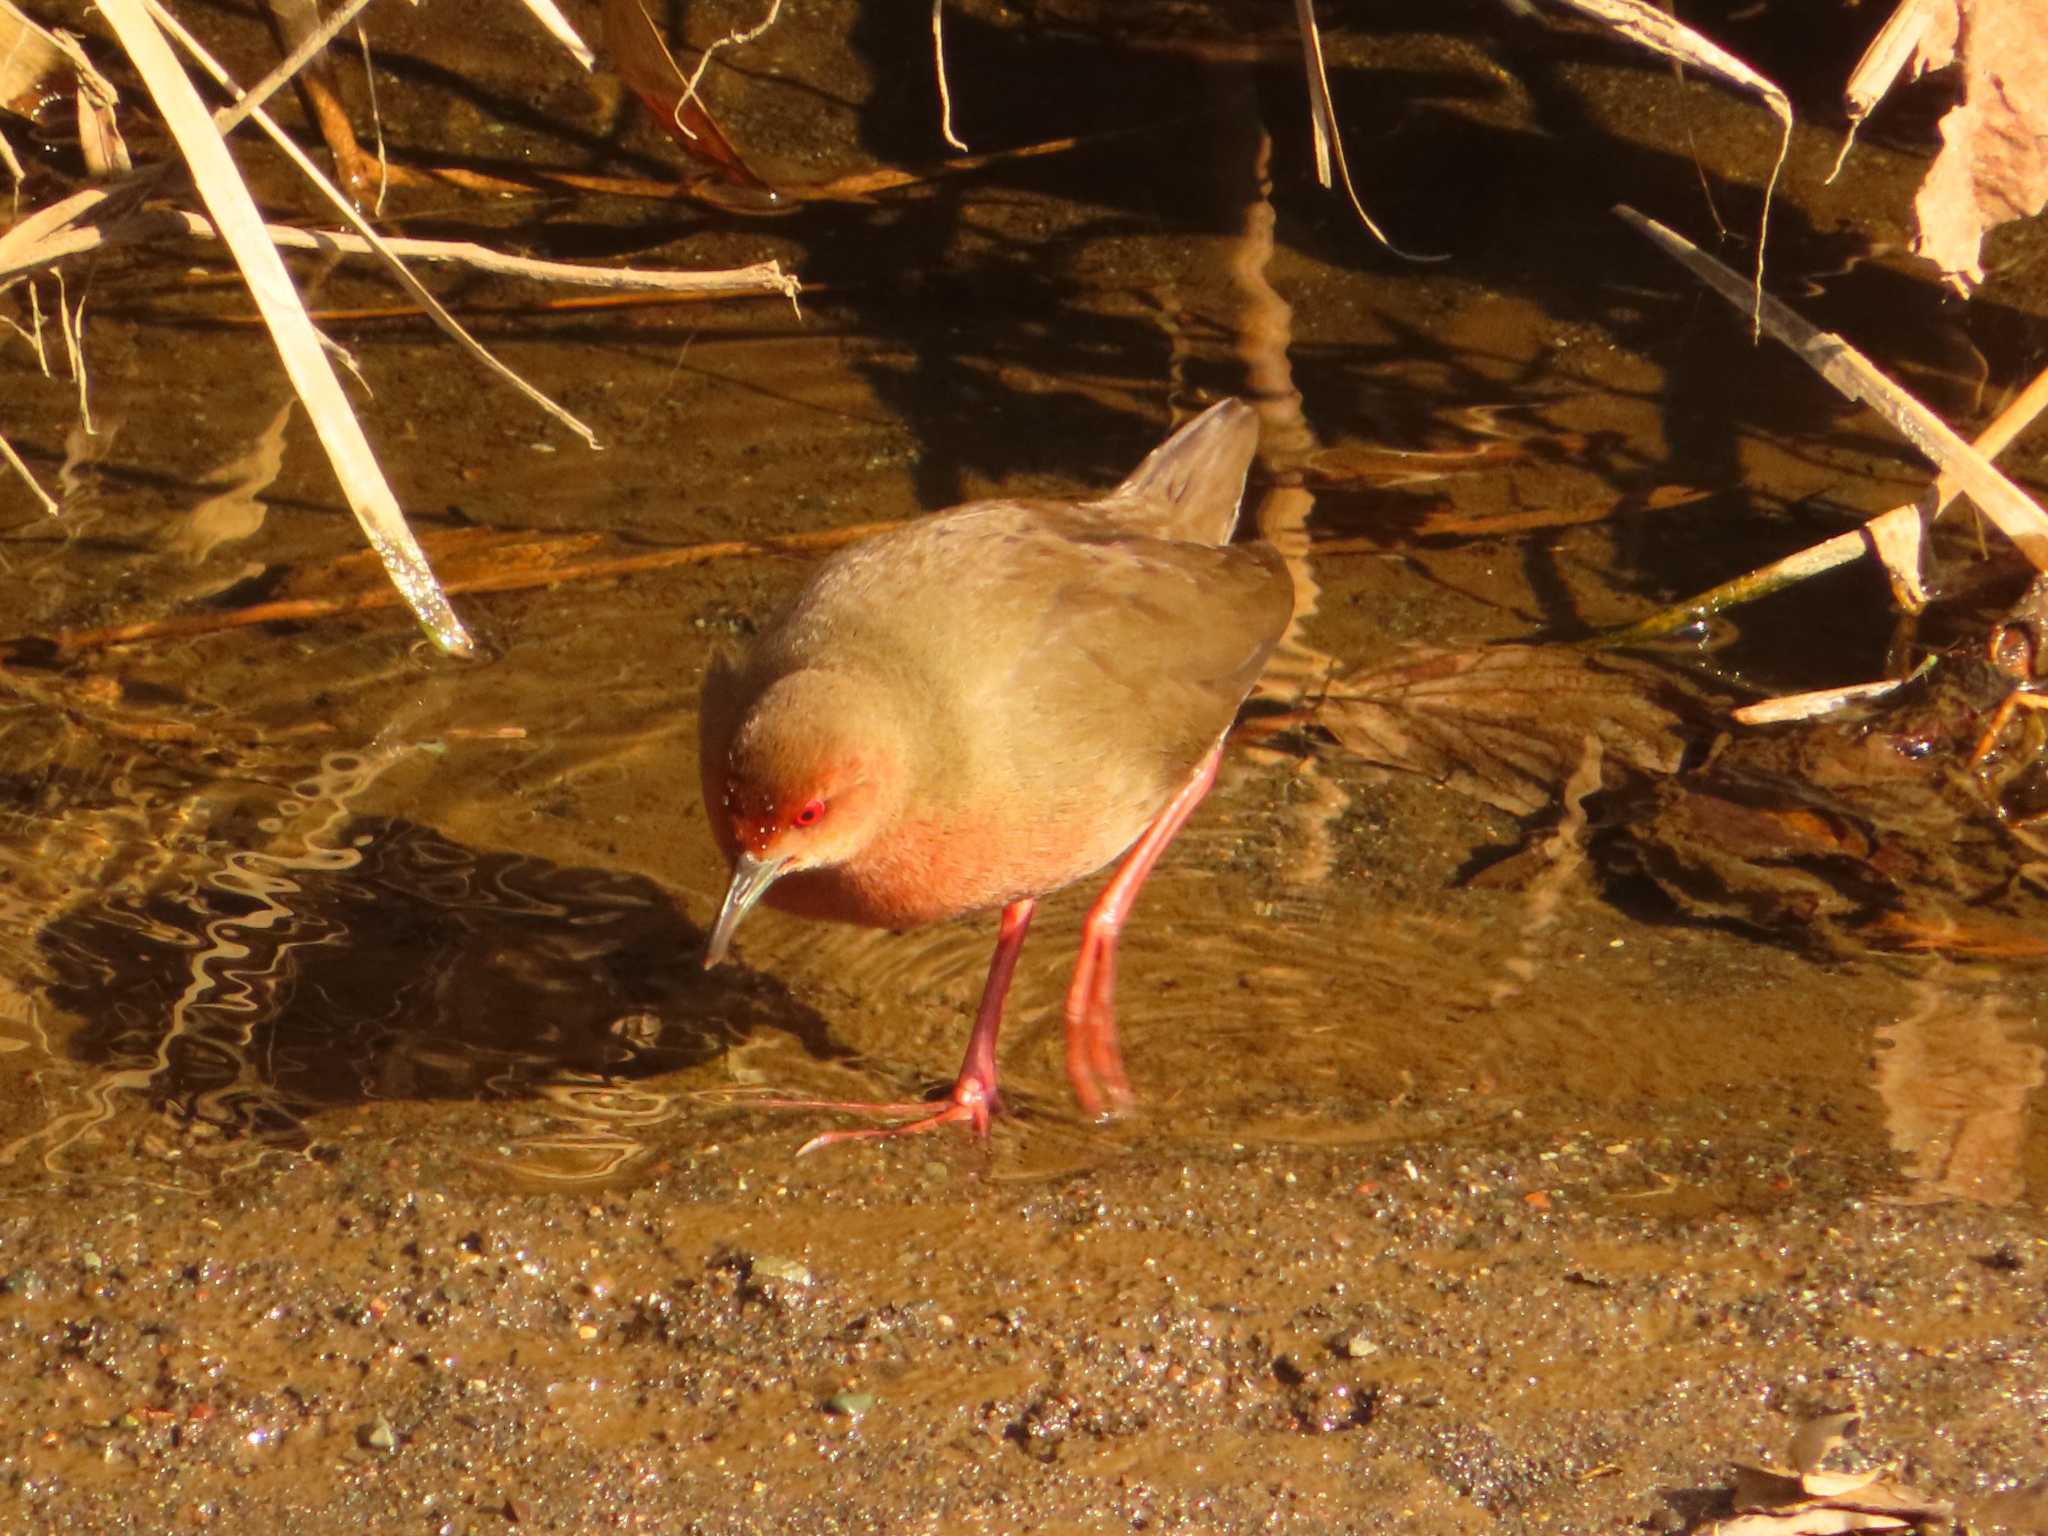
<point>427,970</point>
<point>1692,1509</point>
<point>995,345</point>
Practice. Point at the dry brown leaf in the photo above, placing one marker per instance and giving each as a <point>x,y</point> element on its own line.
<point>649,70</point>
<point>1993,164</point>
<point>1776,1501</point>
<point>1507,724</point>
<point>1816,1437</point>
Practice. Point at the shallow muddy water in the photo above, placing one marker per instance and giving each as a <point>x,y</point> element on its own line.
<point>377,1153</point>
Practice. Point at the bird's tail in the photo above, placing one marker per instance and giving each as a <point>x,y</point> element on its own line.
<point>1189,487</point>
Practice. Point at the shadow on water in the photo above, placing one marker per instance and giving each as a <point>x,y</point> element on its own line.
<point>224,935</point>
<point>419,969</point>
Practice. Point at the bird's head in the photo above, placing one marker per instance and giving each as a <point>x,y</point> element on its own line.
<point>813,775</point>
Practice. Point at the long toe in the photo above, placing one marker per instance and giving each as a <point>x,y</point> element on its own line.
<point>952,1112</point>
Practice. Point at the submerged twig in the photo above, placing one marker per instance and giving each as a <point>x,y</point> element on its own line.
<point>526,564</point>
<point>2015,513</point>
<point>291,64</point>
<point>854,187</point>
<point>234,213</point>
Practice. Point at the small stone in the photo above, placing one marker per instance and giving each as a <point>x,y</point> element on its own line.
<point>1358,1346</point>
<point>377,1435</point>
<point>788,1271</point>
<point>849,1405</point>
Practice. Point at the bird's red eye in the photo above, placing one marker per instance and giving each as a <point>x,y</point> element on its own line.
<point>808,816</point>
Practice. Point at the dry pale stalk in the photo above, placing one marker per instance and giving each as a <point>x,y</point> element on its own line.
<point>1888,535</point>
<point>549,15</point>
<point>234,213</point>
<point>1322,119</point>
<point>939,67</point>
<point>2017,515</point>
<point>71,327</point>
<point>1821,701</point>
<point>1648,27</point>
<point>738,38</point>
<point>14,463</point>
<point>762,278</point>
<point>1920,32</point>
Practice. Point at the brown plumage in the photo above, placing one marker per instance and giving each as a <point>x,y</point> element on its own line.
<point>990,704</point>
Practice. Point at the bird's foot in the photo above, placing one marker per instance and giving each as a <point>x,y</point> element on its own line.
<point>970,1103</point>
<point>1095,1068</point>
<point>1095,1063</point>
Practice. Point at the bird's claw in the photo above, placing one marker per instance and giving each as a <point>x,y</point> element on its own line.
<point>952,1114</point>
<point>970,1103</point>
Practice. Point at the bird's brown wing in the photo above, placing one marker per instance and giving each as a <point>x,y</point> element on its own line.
<point>1087,675</point>
<point>1164,640</point>
<point>1035,628</point>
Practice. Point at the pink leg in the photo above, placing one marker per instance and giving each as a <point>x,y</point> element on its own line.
<point>973,1098</point>
<point>1095,1066</point>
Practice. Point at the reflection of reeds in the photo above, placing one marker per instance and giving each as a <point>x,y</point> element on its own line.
<point>1955,1078</point>
<point>109,214</point>
<point>234,213</point>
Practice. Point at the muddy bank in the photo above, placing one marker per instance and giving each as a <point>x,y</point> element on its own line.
<point>1450,1323</point>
